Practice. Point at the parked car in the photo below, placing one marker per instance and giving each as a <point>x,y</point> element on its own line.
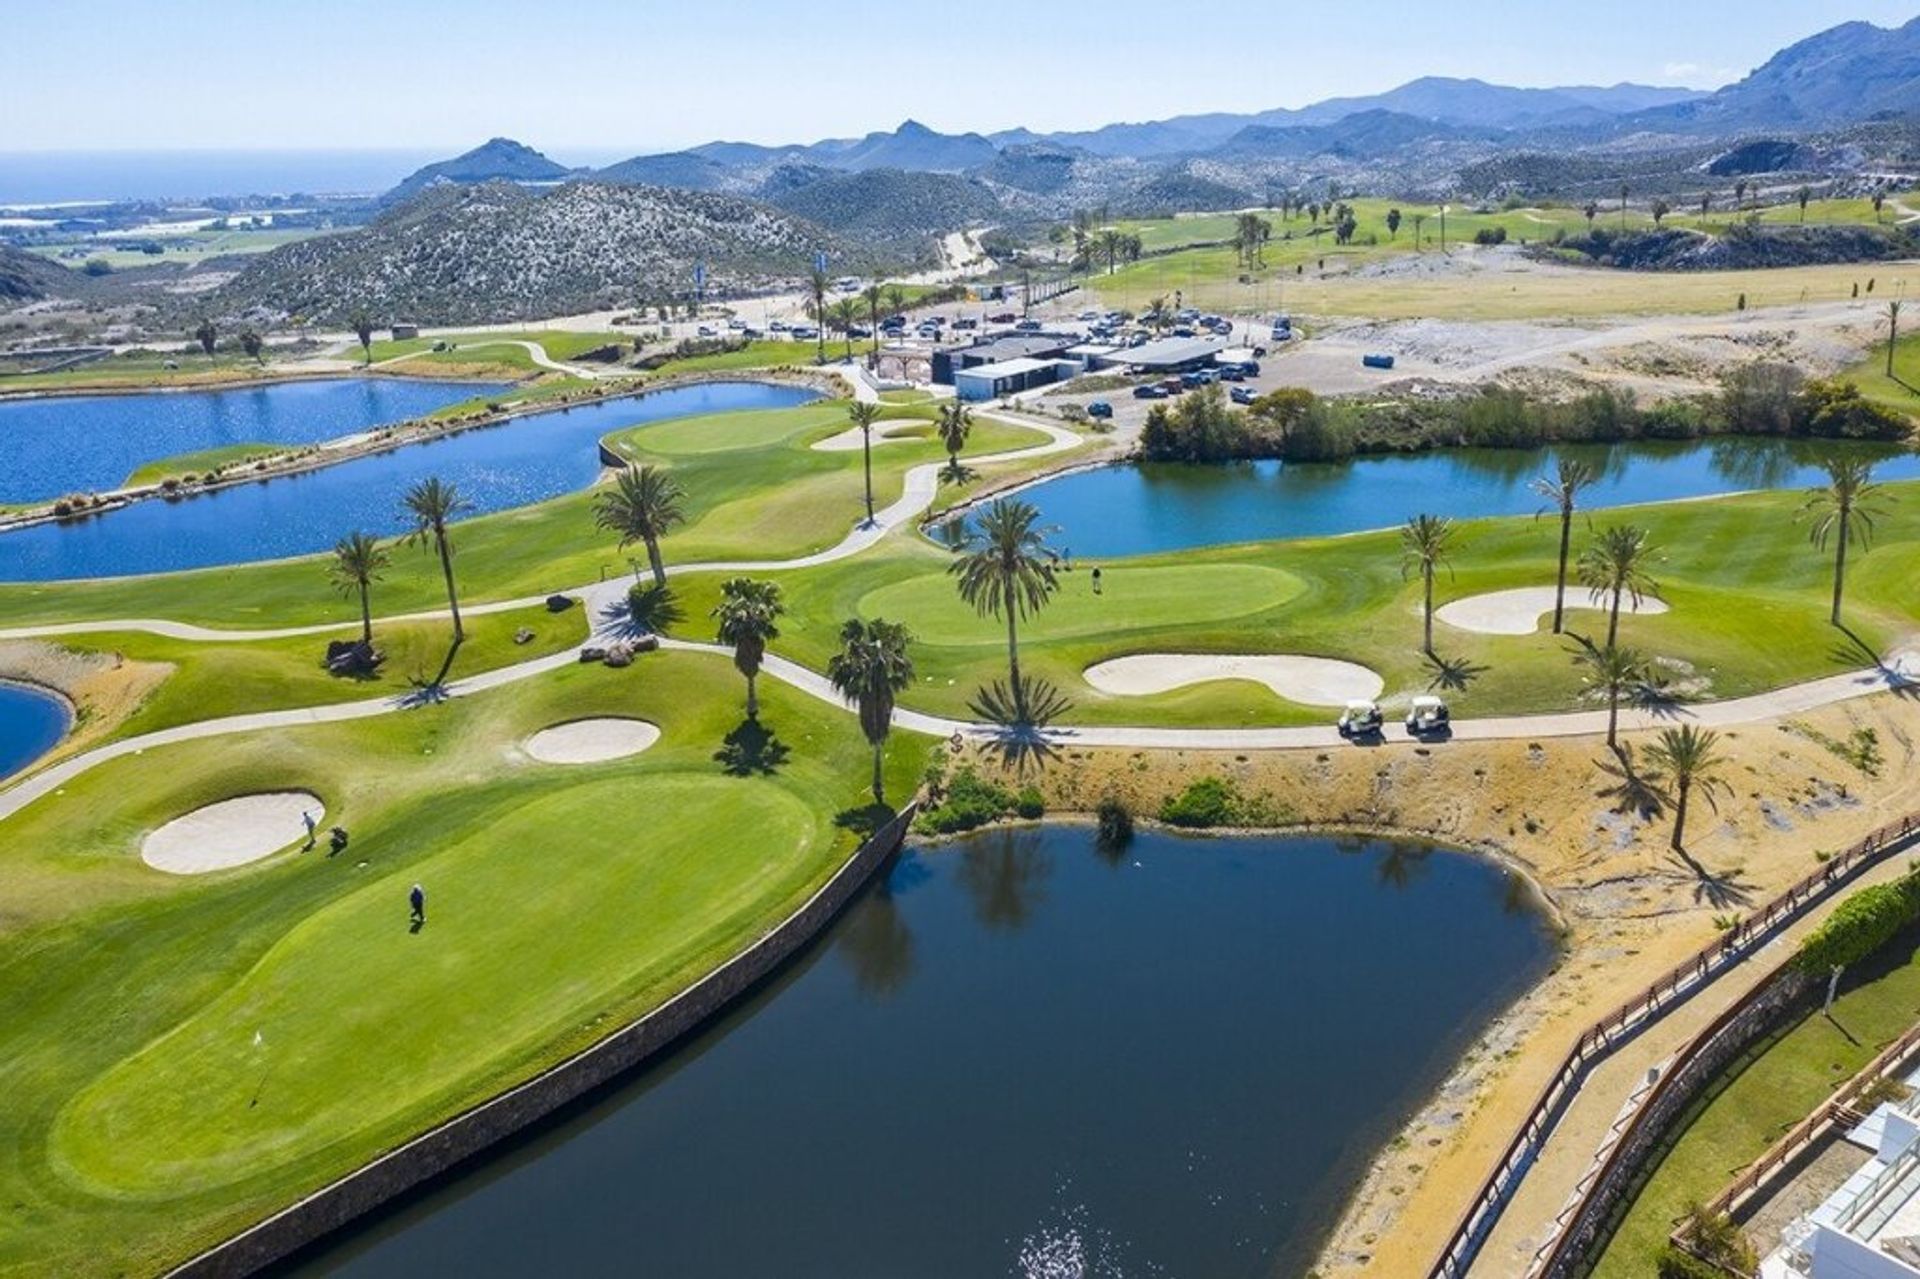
<point>1100,408</point>
<point>1250,368</point>
<point>1149,391</point>
<point>964,323</point>
<point>1027,326</point>
<point>1087,317</point>
<point>1183,330</point>
<point>1427,717</point>
<point>706,331</point>
<point>1172,385</point>
<point>1361,718</point>
<point>1231,373</point>
<point>804,332</point>
<point>778,326</point>
<point>736,325</point>
<point>1243,395</point>
<point>751,334</point>
<point>1003,317</point>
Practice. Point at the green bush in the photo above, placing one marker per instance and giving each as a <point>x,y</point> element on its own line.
<point>971,801</point>
<point>1860,925</point>
<point>1206,802</point>
<point>1674,1264</point>
<point>1029,804</point>
<point>1115,823</point>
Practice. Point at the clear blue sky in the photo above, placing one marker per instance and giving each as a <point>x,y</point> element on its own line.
<point>583,79</point>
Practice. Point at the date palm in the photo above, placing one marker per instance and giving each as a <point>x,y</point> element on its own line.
<point>954,424</point>
<point>643,505</point>
<point>1614,568</point>
<point>1611,670</point>
<point>358,562</point>
<point>864,414</point>
<point>874,296</point>
<point>817,308</point>
<point>1004,568</point>
<point>363,329</point>
<point>1688,757</point>
<point>431,505</point>
<point>871,669</point>
<point>1426,543</point>
<point>749,613</point>
<point>1843,512</point>
<point>1562,490</point>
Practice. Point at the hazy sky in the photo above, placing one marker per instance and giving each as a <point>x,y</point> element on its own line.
<point>583,79</point>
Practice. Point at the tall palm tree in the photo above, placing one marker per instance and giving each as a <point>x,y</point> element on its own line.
<point>1426,542</point>
<point>846,315</point>
<point>896,299</point>
<point>1688,757</point>
<point>749,614</point>
<point>864,414</point>
<point>1561,489</point>
<point>358,561</point>
<point>1611,670</point>
<point>363,329</point>
<point>869,671</point>
<point>642,506</point>
<point>1005,568</point>
<point>1615,567</point>
<point>1843,511</point>
<point>1893,332</point>
<point>874,296</point>
<point>817,293</point>
<point>431,505</point>
<point>954,424</point>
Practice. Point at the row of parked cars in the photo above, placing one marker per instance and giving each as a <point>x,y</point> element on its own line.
<point>1194,378</point>
<point>1426,717</point>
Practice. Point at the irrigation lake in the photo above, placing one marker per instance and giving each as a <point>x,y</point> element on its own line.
<point>1022,1055</point>
<point>31,722</point>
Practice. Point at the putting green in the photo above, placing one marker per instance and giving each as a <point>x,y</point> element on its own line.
<point>1130,598</point>
<point>245,1084</point>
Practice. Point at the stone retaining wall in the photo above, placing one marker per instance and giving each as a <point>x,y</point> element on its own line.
<point>473,1131</point>
<point>1787,994</point>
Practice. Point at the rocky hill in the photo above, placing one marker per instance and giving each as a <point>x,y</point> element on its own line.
<point>28,277</point>
<point>498,159</point>
<point>497,251</point>
<point>903,209</point>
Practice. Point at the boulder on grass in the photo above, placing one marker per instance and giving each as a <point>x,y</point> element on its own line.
<point>592,653</point>
<point>559,603</point>
<point>524,635</point>
<point>352,657</point>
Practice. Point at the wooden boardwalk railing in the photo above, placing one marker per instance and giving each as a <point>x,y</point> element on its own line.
<point>1600,1039</point>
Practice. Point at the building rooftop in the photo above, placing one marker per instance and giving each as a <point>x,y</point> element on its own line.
<point>1168,352</point>
<point>1005,368</point>
<point>1016,346</point>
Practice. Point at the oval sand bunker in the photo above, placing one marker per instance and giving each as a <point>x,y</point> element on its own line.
<point>1521,610</point>
<point>591,741</point>
<point>232,832</point>
<point>1311,681</point>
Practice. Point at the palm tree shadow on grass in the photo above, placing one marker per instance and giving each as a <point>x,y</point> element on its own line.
<point>751,749</point>
<point>1452,674</point>
<point>1854,652</point>
<point>649,610</point>
<point>431,692</point>
<point>865,819</point>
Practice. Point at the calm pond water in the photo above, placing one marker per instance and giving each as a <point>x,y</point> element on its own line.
<point>1022,1056</point>
<point>1135,510</point>
<point>529,459</point>
<point>30,723</point>
<point>79,443</point>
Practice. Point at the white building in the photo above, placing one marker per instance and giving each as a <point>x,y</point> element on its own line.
<point>1870,1227</point>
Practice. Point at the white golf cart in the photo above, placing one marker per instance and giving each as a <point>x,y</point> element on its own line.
<point>1361,718</point>
<point>1427,717</point>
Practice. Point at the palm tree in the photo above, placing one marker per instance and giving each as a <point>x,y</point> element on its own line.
<point>1561,489</point>
<point>864,414</point>
<point>363,329</point>
<point>431,504</point>
<point>954,424</point>
<point>1893,331</point>
<point>1612,670</point>
<point>896,299</point>
<point>1425,544</point>
<point>642,506</point>
<point>869,671</point>
<point>749,614</point>
<point>358,561</point>
<point>846,315</point>
<point>1843,511</point>
<point>1686,754</point>
<point>1615,566</point>
<point>817,291</point>
<point>1005,567</point>
<point>875,296</point>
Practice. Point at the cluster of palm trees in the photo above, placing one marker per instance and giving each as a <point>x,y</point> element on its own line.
<point>359,560</point>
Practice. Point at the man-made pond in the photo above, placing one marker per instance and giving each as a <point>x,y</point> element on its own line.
<point>31,722</point>
<point>526,460</point>
<point>82,443</point>
<point>1136,510</point>
<point>1023,1055</point>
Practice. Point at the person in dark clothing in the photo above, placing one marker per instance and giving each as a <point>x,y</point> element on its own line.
<point>417,899</point>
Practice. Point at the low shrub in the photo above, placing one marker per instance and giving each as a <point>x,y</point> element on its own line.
<point>1115,822</point>
<point>1029,804</point>
<point>971,801</point>
<point>1206,802</point>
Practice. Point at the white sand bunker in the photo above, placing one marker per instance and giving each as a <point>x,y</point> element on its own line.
<point>1518,612</point>
<point>1312,681</point>
<point>232,832</point>
<point>591,741</point>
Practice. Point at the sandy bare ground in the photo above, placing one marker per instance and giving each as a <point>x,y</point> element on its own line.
<point>1519,611</point>
<point>1311,681</point>
<point>104,688</point>
<point>591,741</point>
<point>231,833</point>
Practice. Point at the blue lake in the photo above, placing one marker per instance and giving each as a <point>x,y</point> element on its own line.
<point>1135,510</point>
<point>1021,1055</point>
<point>526,460</point>
<point>84,443</point>
<point>30,723</point>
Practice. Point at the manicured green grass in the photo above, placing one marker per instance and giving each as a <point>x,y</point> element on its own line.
<point>1765,1093</point>
<point>1748,597</point>
<point>183,1055</point>
<point>210,681</point>
<point>202,461</point>
<point>768,495</point>
<point>493,348</point>
<point>1901,390</point>
<point>755,355</point>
